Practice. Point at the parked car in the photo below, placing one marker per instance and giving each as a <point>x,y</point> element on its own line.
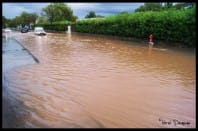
<point>39,31</point>
<point>24,30</point>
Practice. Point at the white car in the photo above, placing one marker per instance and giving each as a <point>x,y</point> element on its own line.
<point>7,30</point>
<point>39,31</point>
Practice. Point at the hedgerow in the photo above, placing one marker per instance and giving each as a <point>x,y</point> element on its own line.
<point>57,26</point>
<point>167,25</point>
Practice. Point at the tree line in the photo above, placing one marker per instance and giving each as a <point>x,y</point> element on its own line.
<point>23,19</point>
<point>164,6</point>
<point>52,13</point>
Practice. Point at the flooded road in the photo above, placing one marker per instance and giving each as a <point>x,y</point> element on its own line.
<point>93,81</point>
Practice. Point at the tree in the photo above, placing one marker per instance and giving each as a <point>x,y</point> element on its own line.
<point>74,18</point>
<point>27,18</point>
<point>4,22</point>
<point>41,19</point>
<point>124,12</point>
<point>179,6</point>
<point>91,15</point>
<point>24,19</point>
<point>184,5</point>
<point>168,5</point>
<point>99,16</point>
<point>18,20</point>
<point>58,12</point>
<point>149,7</point>
<point>140,9</point>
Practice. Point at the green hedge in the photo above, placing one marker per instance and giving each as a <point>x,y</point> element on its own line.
<point>57,26</point>
<point>169,25</point>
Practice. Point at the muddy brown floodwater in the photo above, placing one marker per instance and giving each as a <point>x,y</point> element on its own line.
<point>94,81</point>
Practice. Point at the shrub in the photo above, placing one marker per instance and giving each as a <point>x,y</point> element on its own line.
<point>168,25</point>
<point>57,26</point>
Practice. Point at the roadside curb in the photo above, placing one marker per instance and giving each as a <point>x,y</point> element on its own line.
<point>27,50</point>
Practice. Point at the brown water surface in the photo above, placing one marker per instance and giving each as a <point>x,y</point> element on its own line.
<point>95,81</point>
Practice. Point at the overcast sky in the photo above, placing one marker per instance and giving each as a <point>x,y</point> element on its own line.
<point>11,10</point>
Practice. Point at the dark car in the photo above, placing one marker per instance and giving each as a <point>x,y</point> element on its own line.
<point>24,30</point>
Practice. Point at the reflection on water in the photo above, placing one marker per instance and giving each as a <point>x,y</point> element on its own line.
<point>90,81</point>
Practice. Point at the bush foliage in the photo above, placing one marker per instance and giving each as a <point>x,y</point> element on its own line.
<point>168,25</point>
<point>57,26</point>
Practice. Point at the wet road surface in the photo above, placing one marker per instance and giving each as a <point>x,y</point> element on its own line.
<point>93,81</point>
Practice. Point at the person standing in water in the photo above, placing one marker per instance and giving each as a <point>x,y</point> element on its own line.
<point>151,43</point>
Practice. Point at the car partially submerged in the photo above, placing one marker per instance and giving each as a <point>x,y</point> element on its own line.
<point>7,30</point>
<point>24,30</point>
<point>39,31</point>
